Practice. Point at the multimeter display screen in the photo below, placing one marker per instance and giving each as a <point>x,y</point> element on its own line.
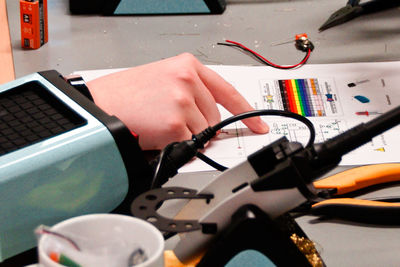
<point>30,113</point>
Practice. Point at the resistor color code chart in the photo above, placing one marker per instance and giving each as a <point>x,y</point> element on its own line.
<point>309,97</point>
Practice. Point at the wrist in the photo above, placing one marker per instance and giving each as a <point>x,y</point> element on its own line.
<point>79,84</point>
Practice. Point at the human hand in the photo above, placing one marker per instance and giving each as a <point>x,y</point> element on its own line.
<point>169,100</point>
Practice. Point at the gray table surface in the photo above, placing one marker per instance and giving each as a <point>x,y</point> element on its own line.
<point>96,42</point>
<point>93,42</point>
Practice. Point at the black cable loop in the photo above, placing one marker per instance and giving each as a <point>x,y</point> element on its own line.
<point>203,137</point>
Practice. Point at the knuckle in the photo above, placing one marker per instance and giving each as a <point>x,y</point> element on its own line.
<point>187,57</point>
<point>175,128</point>
<point>182,100</point>
<point>186,72</point>
<point>186,76</point>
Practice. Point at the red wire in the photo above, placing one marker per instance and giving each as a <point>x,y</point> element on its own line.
<point>269,62</point>
<point>45,231</point>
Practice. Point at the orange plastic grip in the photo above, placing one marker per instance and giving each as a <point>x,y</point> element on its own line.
<point>355,202</point>
<point>360,177</point>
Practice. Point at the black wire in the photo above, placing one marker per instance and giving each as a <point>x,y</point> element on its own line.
<point>260,58</point>
<point>155,183</point>
<point>208,133</point>
<point>232,119</point>
<point>211,162</point>
<point>269,112</point>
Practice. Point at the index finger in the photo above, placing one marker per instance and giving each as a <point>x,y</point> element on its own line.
<point>226,95</point>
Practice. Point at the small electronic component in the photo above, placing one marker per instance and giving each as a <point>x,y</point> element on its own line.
<point>302,42</point>
<point>367,113</point>
<point>354,84</point>
<point>362,99</point>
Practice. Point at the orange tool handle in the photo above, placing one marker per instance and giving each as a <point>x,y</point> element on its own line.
<point>356,203</point>
<point>359,210</point>
<point>360,177</point>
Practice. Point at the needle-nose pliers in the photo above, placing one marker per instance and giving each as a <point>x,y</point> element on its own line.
<point>354,9</point>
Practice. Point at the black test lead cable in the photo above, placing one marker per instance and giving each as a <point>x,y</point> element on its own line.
<point>177,154</point>
<point>246,115</point>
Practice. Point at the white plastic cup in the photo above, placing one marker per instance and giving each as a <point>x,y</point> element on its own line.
<point>100,229</point>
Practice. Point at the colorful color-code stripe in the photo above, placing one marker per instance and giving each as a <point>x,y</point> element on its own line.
<point>302,96</point>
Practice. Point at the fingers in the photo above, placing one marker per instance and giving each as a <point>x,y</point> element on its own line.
<point>183,117</point>
<point>205,103</point>
<point>225,94</point>
<point>179,129</point>
<point>195,120</point>
<point>190,82</point>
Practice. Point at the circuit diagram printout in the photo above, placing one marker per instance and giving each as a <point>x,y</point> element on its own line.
<point>334,97</point>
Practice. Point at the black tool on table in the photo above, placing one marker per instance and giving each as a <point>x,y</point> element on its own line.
<point>355,9</point>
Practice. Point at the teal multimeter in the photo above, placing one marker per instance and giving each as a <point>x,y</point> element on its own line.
<point>60,156</point>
